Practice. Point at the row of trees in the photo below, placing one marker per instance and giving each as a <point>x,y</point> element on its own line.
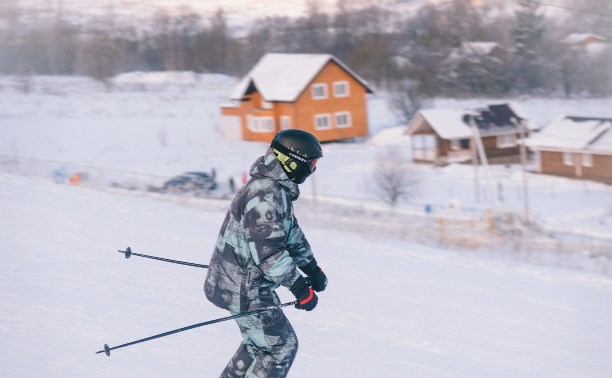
<point>405,53</point>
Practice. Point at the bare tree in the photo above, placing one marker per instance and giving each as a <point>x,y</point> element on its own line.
<point>98,58</point>
<point>405,99</point>
<point>393,178</point>
<point>406,54</point>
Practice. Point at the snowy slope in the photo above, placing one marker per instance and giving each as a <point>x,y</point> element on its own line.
<point>392,309</point>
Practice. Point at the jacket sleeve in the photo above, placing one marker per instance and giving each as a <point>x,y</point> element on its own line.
<point>263,223</point>
<point>298,246</point>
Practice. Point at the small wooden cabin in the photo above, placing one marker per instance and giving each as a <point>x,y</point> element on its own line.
<point>578,147</point>
<point>442,136</point>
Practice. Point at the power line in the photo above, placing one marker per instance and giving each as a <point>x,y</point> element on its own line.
<point>587,11</point>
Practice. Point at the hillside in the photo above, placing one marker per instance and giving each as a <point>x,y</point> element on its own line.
<point>399,303</point>
<point>152,126</point>
<point>392,308</point>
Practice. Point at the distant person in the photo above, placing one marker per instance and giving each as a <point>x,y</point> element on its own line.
<point>59,175</point>
<point>75,179</point>
<point>232,185</point>
<point>260,247</point>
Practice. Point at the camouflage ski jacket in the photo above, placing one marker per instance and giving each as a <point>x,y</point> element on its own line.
<point>260,244</point>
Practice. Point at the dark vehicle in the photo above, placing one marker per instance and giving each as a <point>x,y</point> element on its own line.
<point>197,183</point>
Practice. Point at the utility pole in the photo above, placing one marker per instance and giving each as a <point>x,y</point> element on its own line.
<point>523,150</point>
<point>475,166</point>
<point>469,119</point>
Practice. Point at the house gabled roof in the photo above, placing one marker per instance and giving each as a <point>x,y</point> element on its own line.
<point>570,133</point>
<point>474,48</point>
<point>575,38</point>
<point>449,123</point>
<point>283,77</point>
<point>603,144</point>
<point>479,48</point>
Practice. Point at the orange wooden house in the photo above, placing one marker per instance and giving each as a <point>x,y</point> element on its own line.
<point>312,92</point>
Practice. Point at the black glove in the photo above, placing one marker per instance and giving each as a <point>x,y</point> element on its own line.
<point>318,279</point>
<point>306,298</point>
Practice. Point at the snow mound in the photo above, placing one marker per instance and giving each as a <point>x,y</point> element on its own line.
<point>390,136</point>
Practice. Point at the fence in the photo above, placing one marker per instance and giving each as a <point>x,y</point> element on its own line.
<point>63,172</point>
<point>74,173</point>
<point>489,230</point>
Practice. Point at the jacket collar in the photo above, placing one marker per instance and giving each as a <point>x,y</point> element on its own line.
<point>268,166</point>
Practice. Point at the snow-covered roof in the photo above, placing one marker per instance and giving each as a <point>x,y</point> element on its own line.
<point>479,48</point>
<point>283,77</point>
<point>603,144</point>
<point>474,49</point>
<point>576,134</point>
<point>575,38</point>
<point>449,124</point>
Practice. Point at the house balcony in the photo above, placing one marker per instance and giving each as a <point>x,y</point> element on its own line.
<point>458,156</point>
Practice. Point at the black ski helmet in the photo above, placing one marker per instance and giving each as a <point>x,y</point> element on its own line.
<point>298,152</point>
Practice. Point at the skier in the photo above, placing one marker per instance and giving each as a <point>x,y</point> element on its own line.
<point>260,247</point>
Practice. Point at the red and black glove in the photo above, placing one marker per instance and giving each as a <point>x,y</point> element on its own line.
<point>306,297</point>
<point>318,279</point>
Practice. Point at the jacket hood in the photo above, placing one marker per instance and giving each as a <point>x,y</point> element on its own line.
<point>269,167</point>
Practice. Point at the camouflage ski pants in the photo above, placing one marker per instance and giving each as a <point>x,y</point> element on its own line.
<point>268,347</point>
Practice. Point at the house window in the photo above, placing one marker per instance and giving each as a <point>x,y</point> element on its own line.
<point>341,89</point>
<point>459,144</point>
<point>343,119</point>
<point>424,147</point>
<point>536,158</point>
<point>505,141</point>
<point>260,124</point>
<point>568,158</point>
<point>319,91</point>
<point>587,160</point>
<point>322,121</point>
<point>285,122</point>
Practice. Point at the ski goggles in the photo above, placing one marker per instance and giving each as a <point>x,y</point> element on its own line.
<point>312,165</point>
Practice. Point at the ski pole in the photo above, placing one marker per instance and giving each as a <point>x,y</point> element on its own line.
<point>107,349</point>
<point>128,252</point>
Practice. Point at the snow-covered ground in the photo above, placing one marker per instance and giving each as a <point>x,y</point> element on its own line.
<point>394,307</point>
<point>159,125</point>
